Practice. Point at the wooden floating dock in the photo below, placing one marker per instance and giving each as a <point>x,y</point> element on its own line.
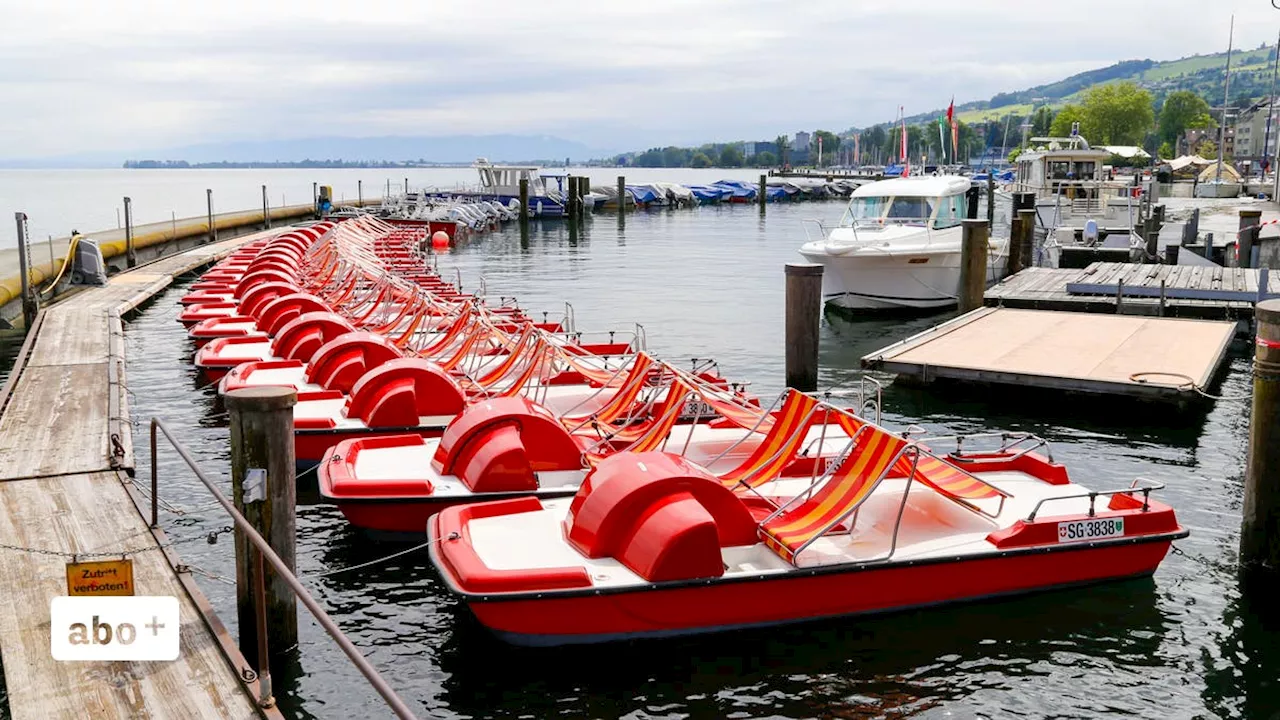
<point>1190,291</point>
<point>1138,357</point>
<point>65,459</point>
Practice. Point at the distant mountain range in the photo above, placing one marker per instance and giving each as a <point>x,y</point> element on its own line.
<point>543,149</point>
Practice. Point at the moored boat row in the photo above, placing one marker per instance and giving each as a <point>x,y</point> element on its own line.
<point>577,488</point>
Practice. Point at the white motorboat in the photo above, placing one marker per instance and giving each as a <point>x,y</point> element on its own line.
<point>898,246</point>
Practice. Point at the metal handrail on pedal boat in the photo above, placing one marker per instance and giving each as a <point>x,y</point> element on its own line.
<point>1093,496</point>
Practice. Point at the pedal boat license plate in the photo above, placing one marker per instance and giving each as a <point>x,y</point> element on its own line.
<point>1086,530</point>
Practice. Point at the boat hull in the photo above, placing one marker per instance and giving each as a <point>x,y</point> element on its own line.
<point>701,606</point>
<point>865,282</point>
<point>1218,190</point>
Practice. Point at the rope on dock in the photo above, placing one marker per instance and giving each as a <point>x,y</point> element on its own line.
<point>1188,385</point>
<point>429,543</point>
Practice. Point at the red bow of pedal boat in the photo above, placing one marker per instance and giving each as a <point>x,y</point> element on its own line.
<point>654,545</point>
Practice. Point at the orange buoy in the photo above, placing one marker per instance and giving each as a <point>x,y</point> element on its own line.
<point>439,240</point>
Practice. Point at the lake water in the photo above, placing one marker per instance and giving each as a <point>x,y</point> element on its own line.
<point>709,283</point>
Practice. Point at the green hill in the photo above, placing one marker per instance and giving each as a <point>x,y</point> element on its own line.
<point>1201,74</point>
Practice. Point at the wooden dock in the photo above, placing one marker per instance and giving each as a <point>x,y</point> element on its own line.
<point>1189,291</point>
<point>65,459</point>
<point>1137,357</point>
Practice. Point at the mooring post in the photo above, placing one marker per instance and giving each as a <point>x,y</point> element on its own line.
<point>991,198</point>
<point>208,200</point>
<point>28,300</point>
<point>359,193</point>
<point>1248,237</point>
<point>1191,231</point>
<point>764,194</point>
<point>130,257</point>
<point>622,193</point>
<point>264,489</point>
<point>803,318</point>
<point>973,265</point>
<point>1027,240</point>
<point>1260,528</point>
<point>1014,260</point>
<point>571,198</point>
<point>1151,234</point>
<point>406,186</point>
<point>266,210</point>
<point>524,206</point>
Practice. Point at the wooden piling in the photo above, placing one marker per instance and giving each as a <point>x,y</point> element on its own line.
<point>1027,240</point>
<point>1151,228</point>
<point>266,210</point>
<point>571,204</point>
<point>524,206</point>
<point>1260,528</point>
<point>1248,237</point>
<point>1014,258</point>
<point>764,194</point>
<point>130,254</point>
<point>359,193</point>
<point>973,265</point>
<point>208,200</point>
<point>991,198</point>
<point>622,193</point>
<point>803,318</point>
<point>264,489</point>
<point>1191,230</point>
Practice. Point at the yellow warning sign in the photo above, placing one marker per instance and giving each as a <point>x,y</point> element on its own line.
<point>108,577</point>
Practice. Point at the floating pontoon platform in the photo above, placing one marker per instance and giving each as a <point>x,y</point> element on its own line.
<point>1140,357</point>
<point>1196,291</point>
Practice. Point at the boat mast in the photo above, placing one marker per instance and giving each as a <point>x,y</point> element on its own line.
<point>1226,93</point>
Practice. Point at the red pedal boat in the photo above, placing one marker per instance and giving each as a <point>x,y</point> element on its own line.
<point>505,447</point>
<point>655,545</point>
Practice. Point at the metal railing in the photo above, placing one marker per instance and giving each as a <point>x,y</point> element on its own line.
<point>1139,485</point>
<point>264,553</point>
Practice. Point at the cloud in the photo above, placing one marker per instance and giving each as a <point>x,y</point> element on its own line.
<point>91,76</point>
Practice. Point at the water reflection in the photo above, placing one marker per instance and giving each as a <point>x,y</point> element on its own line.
<point>1244,679</point>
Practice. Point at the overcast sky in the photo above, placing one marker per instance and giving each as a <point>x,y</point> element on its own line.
<point>123,75</point>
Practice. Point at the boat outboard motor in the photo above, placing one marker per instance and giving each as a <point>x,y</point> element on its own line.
<point>1091,233</point>
<point>87,267</point>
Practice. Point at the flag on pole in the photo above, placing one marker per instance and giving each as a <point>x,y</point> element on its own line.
<point>955,140</point>
<point>942,139</point>
<point>951,120</point>
<point>906,161</point>
<point>857,149</point>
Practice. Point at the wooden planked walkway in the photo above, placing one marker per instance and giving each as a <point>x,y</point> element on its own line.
<point>1047,289</point>
<point>65,447</point>
<point>1152,358</point>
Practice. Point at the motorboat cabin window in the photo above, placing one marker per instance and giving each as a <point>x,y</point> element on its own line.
<point>864,211</point>
<point>906,209</point>
<point>951,211</point>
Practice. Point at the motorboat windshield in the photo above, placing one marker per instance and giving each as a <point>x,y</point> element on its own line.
<point>938,212</point>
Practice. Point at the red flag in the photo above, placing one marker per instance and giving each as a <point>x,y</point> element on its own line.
<point>951,111</point>
<point>903,153</point>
